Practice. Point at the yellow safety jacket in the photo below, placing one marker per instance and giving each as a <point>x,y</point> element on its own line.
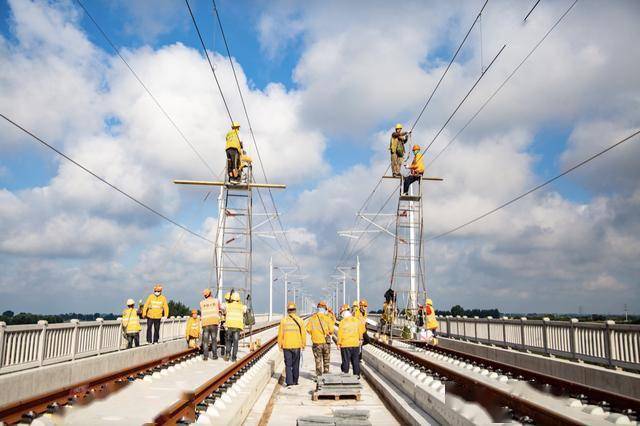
<point>417,165</point>
<point>193,328</point>
<point>233,140</point>
<point>130,320</point>
<point>432,322</point>
<point>210,311</point>
<point>292,333</point>
<point>350,332</point>
<point>235,315</point>
<point>155,307</point>
<point>319,326</point>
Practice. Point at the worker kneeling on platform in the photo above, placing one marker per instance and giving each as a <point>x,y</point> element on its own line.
<point>350,333</point>
<point>210,314</point>
<point>292,338</point>
<point>235,310</point>
<point>193,329</point>
<point>131,324</point>
<point>155,309</point>
<point>320,327</point>
<point>416,168</point>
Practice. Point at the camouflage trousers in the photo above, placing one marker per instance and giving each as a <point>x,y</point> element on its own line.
<point>321,355</point>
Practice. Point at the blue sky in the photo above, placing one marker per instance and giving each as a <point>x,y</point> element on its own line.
<point>325,85</point>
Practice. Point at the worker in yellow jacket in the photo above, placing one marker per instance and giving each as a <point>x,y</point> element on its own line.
<point>131,324</point>
<point>350,333</point>
<point>233,148</point>
<point>154,309</point>
<point>193,329</point>
<point>234,322</point>
<point>416,168</point>
<point>292,337</point>
<point>432,322</point>
<point>210,314</point>
<point>320,327</point>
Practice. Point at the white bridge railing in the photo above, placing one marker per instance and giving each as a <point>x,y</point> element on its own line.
<point>36,345</point>
<point>607,343</point>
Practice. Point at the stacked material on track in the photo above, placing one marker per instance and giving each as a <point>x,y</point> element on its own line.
<point>337,386</point>
<point>340,417</point>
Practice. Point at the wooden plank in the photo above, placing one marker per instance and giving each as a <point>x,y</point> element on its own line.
<point>230,185</point>
<point>423,178</point>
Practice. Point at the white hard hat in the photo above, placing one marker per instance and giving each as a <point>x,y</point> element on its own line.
<point>130,302</point>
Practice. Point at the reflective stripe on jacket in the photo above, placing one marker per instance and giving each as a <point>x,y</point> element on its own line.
<point>193,327</point>
<point>155,307</point>
<point>233,140</point>
<point>319,326</point>
<point>210,311</point>
<point>235,315</point>
<point>130,320</point>
<point>350,331</point>
<point>292,333</point>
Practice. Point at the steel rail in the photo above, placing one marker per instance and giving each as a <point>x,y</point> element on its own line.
<point>617,401</point>
<point>33,407</point>
<point>539,413</point>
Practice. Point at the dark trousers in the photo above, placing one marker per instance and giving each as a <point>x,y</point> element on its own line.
<point>407,181</point>
<point>350,356</point>
<point>233,337</point>
<point>133,339</point>
<point>155,325</point>
<point>210,335</point>
<point>292,366</point>
<point>233,162</point>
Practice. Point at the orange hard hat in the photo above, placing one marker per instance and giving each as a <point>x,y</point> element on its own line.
<point>158,287</point>
<point>416,147</point>
<point>344,307</point>
<point>322,304</point>
<point>206,292</point>
<point>363,302</point>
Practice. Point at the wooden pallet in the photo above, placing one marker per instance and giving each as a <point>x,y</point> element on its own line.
<point>316,395</point>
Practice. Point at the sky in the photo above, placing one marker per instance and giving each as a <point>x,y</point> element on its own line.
<point>324,84</point>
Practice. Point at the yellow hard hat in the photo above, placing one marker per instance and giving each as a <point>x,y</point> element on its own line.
<point>158,287</point>
<point>344,307</point>
<point>398,126</point>
<point>235,125</point>
<point>130,302</point>
<point>429,302</point>
<point>355,303</point>
<point>363,302</point>
<point>235,297</point>
<point>194,311</point>
<point>291,306</point>
<point>206,292</point>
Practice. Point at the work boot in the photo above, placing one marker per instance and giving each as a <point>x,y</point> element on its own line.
<point>226,358</point>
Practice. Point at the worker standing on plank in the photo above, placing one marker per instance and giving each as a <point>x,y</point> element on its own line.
<point>193,329</point>
<point>155,309</point>
<point>432,322</point>
<point>131,324</point>
<point>292,338</point>
<point>210,314</point>
<point>396,149</point>
<point>235,324</point>
<point>320,327</point>
<point>233,149</point>
<point>416,168</point>
<point>350,332</point>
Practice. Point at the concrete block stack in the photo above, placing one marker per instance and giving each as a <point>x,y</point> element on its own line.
<point>337,386</point>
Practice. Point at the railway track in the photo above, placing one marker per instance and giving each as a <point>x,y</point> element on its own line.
<point>85,392</point>
<point>513,393</point>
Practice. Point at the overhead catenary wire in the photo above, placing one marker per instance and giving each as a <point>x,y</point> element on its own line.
<point>531,11</point>
<point>536,188</point>
<point>504,82</point>
<point>251,132</point>
<point>145,87</point>
<point>106,182</point>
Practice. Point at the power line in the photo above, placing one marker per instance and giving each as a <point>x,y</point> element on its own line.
<point>144,86</point>
<point>490,98</point>
<point>449,66</point>
<point>206,53</point>
<point>531,11</point>
<point>253,137</point>
<point>542,185</point>
<point>132,198</point>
